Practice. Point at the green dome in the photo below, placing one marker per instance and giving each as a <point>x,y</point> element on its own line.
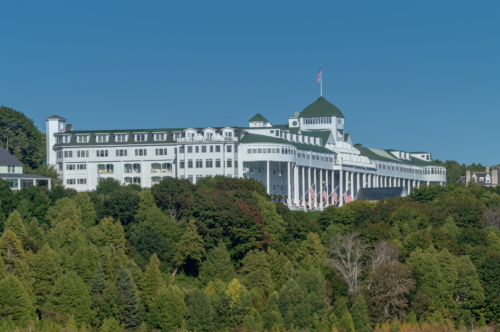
<point>321,108</point>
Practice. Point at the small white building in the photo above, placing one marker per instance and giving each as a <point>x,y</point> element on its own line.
<point>310,151</point>
<point>11,170</point>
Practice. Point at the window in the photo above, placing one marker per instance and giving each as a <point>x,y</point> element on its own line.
<point>68,154</point>
<point>249,150</point>
<point>59,139</point>
<point>217,163</point>
<point>136,168</point>
<point>161,152</point>
<point>160,137</point>
<point>209,163</point>
<point>217,148</point>
<point>101,138</point>
<point>190,163</point>
<point>140,137</point>
<point>82,154</point>
<point>70,181</point>
<point>82,139</point>
<point>121,137</point>
<point>110,168</point>
<point>204,148</point>
<point>229,148</point>
<point>82,181</point>
<point>70,167</point>
<point>101,153</point>
<point>211,148</point>
<point>190,149</point>
<point>229,163</point>
<point>181,164</point>
<point>81,166</point>
<point>137,181</point>
<point>140,152</point>
<point>181,149</point>
<point>199,163</point>
<point>190,178</point>
<point>121,153</point>
<point>59,154</point>
<point>197,149</point>
<point>277,132</point>
<point>11,169</point>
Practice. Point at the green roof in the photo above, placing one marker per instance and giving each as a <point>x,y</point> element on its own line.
<point>254,138</point>
<point>323,134</point>
<point>321,108</point>
<point>372,154</point>
<point>258,117</point>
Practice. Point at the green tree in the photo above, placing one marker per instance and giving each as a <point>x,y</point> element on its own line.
<point>20,137</point>
<point>152,281</point>
<point>274,225</point>
<point>129,299</point>
<point>217,265</point>
<point>199,312</point>
<point>189,247</point>
<point>45,270</point>
<point>64,208</point>
<point>255,271</point>
<point>280,266</point>
<point>15,224</point>
<point>291,305</point>
<point>108,187</point>
<point>122,205</point>
<point>14,302</point>
<point>11,251</point>
<point>83,201</point>
<point>107,233</point>
<point>311,252</point>
<point>169,309</point>
<point>70,296</point>
<point>271,315</point>
<point>6,197</point>
<point>360,316</point>
<point>469,293</point>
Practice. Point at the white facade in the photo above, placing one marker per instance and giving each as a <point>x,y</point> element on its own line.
<point>310,150</point>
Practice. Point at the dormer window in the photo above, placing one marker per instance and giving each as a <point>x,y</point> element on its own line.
<point>160,137</point>
<point>121,137</point>
<point>140,137</point>
<point>101,138</point>
<point>82,138</point>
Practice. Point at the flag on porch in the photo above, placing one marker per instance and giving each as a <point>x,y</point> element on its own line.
<point>312,191</point>
<point>348,196</point>
<point>335,196</point>
<point>325,195</point>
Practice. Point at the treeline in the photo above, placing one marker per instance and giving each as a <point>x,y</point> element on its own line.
<point>454,170</point>
<point>221,256</point>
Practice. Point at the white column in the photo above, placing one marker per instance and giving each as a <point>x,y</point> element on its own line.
<point>296,184</point>
<point>289,183</point>
<point>309,184</point>
<point>352,184</point>
<point>341,187</point>
<point>18,184</point>
<point>268,176</point>
<point>357,182</point>
<point>327,183</point>
<point>316,187</point>
<point>303,192</point>
<point>321,190</point>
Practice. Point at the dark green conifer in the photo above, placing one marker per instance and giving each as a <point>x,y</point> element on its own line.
<point>14,302</point>
<point>360,315</point>
<point>199,315</point>
<point>217,265</point>
<point>45,270</point>
<point>129,299</point>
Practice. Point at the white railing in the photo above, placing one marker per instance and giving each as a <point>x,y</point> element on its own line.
<point>206,139</point>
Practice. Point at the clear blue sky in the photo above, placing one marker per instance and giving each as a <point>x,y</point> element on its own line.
<point>409,75</point>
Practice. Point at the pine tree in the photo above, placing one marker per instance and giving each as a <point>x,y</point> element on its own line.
<point>84,261</point>
<point>108,233</point>
<point>88,213</point>
<point>15,224</point>
<point>14,301</point>
<point>45,270</point>
<point>11,250</point>
<point>35,232</point>
<point>255,271</point>
<point>280,266</point>
<point>345,323</point>
<point>129,299</point>
<point>64,208</point>
<point>360,315</point>
<point>146,205</point>
<point>98,280</point>
<point>311,252</point>
<point>169,309</point>
<point>152,281</point>
<point>291,305</point>
<point>271,315</point>
<point>217,265</point>
<point>70,296</point>
<point>468,293</point>
<point>274,225</point>
<point>190,246</point>
<point>199,312</point>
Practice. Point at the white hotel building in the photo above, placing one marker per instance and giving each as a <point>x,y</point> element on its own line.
<point>311,149</point>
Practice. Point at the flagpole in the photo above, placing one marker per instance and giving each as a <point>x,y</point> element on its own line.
<point>321,83</point>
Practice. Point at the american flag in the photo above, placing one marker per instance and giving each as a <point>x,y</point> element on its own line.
<point>335,196</point>
<point>325,195</point>
<point>312,191</point>
<point>347,196</point>
<point>319,75</point>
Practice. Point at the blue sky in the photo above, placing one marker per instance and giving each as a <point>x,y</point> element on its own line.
<point>409,75</point>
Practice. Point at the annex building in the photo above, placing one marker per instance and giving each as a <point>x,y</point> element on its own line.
<point>303,162</point>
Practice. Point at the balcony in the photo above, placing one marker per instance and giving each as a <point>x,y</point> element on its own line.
<point>161,168</point>
<point>206,139</point>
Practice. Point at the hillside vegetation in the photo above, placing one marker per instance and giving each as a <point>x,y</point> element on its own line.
<point>220,256</point>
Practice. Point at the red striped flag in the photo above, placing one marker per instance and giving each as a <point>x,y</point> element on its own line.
<point>335,196</point>
<point>319,75</point>
<point>347,196</point>
<point>312,191</point>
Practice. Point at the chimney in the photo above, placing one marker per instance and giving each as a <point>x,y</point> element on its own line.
<point>487,169</point>
<point>296,114</point>
<point>494,176</point>
<point>467,177</point>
